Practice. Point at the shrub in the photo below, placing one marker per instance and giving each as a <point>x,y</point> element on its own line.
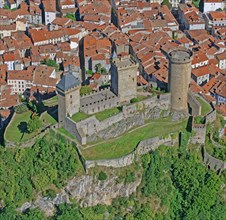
<point>89,72</point>
<point>34,124</point>
<point>19,109</point>
<point>49,193</point>
<point>133,100</point>
<point>130,177</point>
<point>71,16</point>
<point>199,120</point>
<point>102,176</point>
<point>51,63</point>
<point>103,70</point>
<point>85,90</point>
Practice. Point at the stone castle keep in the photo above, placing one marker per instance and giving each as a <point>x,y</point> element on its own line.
<point>123,88</point>
<point>179,78</point>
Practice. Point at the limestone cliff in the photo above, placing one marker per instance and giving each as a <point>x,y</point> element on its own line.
<point>87,190</point>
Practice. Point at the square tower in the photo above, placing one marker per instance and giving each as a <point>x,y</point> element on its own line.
<point>124,77</point>
<point>68,92</point>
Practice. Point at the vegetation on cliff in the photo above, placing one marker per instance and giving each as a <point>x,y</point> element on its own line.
<point>26,171</point>
<point>175,185</point>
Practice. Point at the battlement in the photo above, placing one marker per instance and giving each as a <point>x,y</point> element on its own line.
<point>124,62</point>
<point>181,55</point>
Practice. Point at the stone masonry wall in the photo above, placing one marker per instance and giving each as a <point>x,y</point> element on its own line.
<point>194,104</point>
<point>72,128</point>
<point>143,147</point>
<point>132,115</point>
<point>199,136</point>
<point>214,163</point>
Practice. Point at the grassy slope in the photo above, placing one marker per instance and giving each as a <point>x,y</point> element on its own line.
<point>205,106</point>
<point>100,115</point>
<point>125,144</point>
<point>13,133</point>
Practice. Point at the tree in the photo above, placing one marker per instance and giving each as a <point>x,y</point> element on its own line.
<point>22,128</point>
<point>19,109</point>
<point>71,16</point>
<point>89,72</point>
<point>33,106</point>
<point>196,3</point>
<point>85,90</point>
<point>98,67</point>
<point>52,63</point>
<point>167,3</point>
<point>219,9</point>
<point>103,70</point>
<point>34,124</point>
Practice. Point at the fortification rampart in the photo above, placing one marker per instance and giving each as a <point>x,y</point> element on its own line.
<point>211,117</point>
<point>98,101</point>
<point>194,104</point>
<point>143,147</point>
<point>72,128</point>
<point>199,134</point>
<point>213,163</point>
<point>131,115</point>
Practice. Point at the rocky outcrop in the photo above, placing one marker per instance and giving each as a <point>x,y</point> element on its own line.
<point>137,119</point>
<point>121,127</point>
<point>87,190</point>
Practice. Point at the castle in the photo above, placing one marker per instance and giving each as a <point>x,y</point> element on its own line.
<point>124,71</point>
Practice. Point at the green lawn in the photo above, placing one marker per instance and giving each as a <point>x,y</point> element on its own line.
<point>51,102</point>
<point>47,119</point>
<point>77,117</point>
<point>16,131</point>
<point>107,113</point>
<point>100,115</point>
<point>124,145</point>
<point>205,107</point>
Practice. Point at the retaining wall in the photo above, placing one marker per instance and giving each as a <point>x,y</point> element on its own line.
<point>194,104</point>
<point>143,147</point>
<point>72,128</point>
<point>214,163</point>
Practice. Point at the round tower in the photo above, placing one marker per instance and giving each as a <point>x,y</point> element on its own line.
<point>179,77</point>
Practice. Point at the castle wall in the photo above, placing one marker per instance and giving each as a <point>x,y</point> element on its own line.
<point>129,116</point>
<point>199,136</point>
<point>72,128</point>
<point>214,163</point>
<point>98,101</point>
<point>211,117</point>
<point>143,147</point>
<point>194,104</point>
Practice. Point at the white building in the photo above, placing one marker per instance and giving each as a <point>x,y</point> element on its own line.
<point>49,7</point>
<point>215,19</point>
<point>221,60</point>
<point>212,5</point>
<point>20,81</point>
